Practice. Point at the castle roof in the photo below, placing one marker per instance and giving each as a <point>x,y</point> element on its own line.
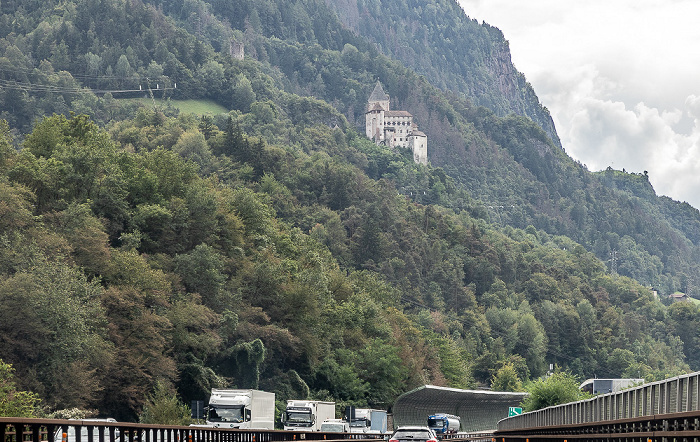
<point>378,93</point>
<point>417,133</point>
<point>397,113</point>
<point>376,107</point>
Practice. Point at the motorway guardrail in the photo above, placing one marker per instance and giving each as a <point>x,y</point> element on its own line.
<point>59,430</point>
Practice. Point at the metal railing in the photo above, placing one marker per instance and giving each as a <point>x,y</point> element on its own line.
<point>57,430</point>
<point>478,436</point>
<point>663,411</point>
<point>675,395</point>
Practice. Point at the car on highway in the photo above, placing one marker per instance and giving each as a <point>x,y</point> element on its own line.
<point>335,426</point>
<point>413,433</point>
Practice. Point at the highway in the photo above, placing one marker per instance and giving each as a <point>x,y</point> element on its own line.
<point>664,411</point>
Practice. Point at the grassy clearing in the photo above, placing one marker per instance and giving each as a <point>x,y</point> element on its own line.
<point>199,107</point>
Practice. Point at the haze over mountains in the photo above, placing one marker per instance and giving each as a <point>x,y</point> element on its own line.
<point>272,245</point>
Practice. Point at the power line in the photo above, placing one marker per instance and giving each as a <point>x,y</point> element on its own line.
<point>37,71</point>
<point>613,261</point>
<point>34,87</point>
<point>37,86</point>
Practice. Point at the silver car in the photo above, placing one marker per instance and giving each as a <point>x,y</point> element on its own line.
<point>413,434</point>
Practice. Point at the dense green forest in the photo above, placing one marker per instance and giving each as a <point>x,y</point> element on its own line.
<point>274,246</point>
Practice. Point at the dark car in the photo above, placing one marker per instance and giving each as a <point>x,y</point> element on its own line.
<point>413,434</point>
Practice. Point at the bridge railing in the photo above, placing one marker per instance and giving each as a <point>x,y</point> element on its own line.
<point>675,395</point>
<point>477,436</point>
<point>57,430</point>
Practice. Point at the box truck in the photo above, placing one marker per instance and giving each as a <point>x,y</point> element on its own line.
<point>253,409</point>
<point>367,420</point>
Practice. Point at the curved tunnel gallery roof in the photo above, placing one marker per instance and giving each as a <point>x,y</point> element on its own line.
<point>478,410</point>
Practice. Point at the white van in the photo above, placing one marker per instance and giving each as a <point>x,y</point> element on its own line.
<point>335,426</point>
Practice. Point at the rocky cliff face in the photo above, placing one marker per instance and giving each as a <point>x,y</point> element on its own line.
<point>516,91</point>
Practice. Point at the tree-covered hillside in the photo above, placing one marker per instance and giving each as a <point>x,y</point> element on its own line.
<point>521,177</point>
<point>276,247</point>
<point>155,252</point>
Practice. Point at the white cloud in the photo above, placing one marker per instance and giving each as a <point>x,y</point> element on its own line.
<point>609,133</point>
<point>620,79</point>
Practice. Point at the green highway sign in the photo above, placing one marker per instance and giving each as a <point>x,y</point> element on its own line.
<point>514,411</point>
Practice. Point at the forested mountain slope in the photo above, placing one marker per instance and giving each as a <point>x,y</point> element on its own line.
<point>275,246</point>
<point>438,40</point>
<point>508,164</point>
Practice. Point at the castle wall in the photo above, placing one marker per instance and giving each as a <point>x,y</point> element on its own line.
<point>402,125</point>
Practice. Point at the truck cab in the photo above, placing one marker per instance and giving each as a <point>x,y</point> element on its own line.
<point>228,413</point>
<point>298,417</point>
<point>251,409</point>
<point>228,407</point>
<point>307,415</point>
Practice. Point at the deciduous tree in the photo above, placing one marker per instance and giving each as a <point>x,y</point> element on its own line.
<point>559,388</point>
<point>164,408</point>
<point>14,402</point>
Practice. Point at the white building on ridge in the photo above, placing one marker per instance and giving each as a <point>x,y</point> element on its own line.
<point>393,128</point>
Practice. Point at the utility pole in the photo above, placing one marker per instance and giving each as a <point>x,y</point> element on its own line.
<point>613,261</point>
<point>150,91</point>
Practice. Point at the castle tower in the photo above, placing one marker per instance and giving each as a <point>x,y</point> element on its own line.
<point>418,143</point>
<point>377,104</point>
<point>374,123</point>
<point>236,50</point>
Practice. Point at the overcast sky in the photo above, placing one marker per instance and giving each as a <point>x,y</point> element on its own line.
<point>621,79</point>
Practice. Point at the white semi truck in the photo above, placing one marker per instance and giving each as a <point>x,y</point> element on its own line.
<point>253,409</point>
<point>367,420</point>
<point>307,415</point>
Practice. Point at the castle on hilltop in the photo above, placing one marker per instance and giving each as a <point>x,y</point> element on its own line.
<point>393,128</point>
